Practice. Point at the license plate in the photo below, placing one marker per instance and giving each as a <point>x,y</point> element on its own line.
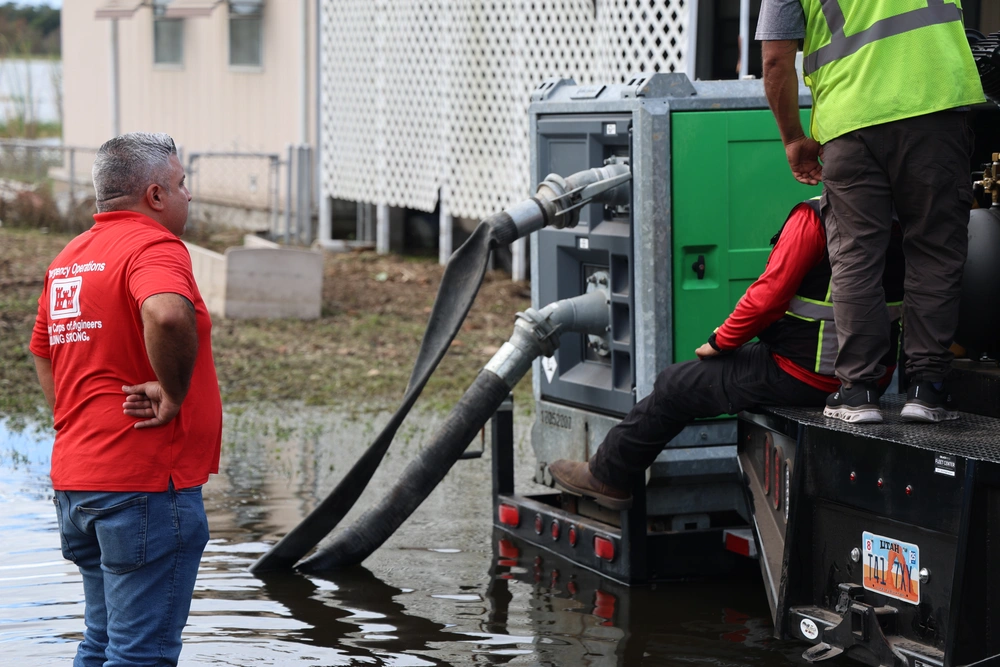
<point>891,567</point>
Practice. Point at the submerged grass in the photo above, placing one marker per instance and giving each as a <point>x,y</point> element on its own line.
<point>358,354</point>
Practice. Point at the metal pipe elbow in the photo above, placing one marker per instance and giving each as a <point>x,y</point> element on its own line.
<point>588,313</point>
<point>537,332</point>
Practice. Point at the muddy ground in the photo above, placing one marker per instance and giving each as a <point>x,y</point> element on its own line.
<point>358,354</point>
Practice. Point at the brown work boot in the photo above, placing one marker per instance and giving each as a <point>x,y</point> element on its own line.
<point>575,477</point>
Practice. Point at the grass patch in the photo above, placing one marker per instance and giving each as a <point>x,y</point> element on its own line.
<point>18,128</point>
<point>24,257</point>
<point>359,353</point>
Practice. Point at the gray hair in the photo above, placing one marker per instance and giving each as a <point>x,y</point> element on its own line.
<point>125,166</point>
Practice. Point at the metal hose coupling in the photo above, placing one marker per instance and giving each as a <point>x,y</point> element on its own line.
<point>537,332</point>
<point>570,194</point>
<point>558,200</point>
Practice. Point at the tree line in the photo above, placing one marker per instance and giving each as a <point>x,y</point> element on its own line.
<point>28,31</point>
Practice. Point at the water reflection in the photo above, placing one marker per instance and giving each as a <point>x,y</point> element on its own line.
<point>380,627</point>
<point>600,622</point>
<point>445,590</point>
<point>30,89</point>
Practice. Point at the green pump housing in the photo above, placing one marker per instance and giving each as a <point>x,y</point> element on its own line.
<point>710,187</point>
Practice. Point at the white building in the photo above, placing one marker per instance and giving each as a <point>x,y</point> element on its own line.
<point>424,105</point>
<point>219,76</point>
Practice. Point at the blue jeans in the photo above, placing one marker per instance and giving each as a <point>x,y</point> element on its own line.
<point>138,553</point>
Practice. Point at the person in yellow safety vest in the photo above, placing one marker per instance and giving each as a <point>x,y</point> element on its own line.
<point>891,81</point>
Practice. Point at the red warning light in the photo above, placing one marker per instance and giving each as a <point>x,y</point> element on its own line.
<point>853,477</point>
<point>767,463</point>
<point>778,462</point>
<point>880,483</point>
<point>508,515</point>
<point>571,587</point>
<point>539,524</point>
<point>604,548</point>
<point>738,544</point>
<point>572,536</point>
<point>555,529</point>
<point>909,490</point>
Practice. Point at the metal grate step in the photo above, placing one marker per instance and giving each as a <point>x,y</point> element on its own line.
<point>971,436</point>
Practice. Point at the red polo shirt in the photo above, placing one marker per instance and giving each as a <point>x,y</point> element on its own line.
<point>89,325</point>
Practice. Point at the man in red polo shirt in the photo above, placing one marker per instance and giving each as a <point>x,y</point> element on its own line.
<point>122,346</point>
<point>789,310</point>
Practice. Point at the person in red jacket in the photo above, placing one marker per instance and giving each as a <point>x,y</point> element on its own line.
<point>788,309</point>
<point>123,350</point>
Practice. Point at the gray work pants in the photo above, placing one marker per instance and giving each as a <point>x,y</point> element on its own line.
<point>921,167</point>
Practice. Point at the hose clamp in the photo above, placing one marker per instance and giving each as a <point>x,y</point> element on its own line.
<point>543,329</point>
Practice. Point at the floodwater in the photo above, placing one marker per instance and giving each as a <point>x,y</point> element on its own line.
<point>30,89</point>
<point>438,593</point>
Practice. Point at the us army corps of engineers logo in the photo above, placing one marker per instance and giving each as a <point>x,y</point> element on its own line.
<point>64,298</point>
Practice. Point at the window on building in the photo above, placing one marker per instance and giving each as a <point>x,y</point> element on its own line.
<point>246,33</point>
<point>168,36</point>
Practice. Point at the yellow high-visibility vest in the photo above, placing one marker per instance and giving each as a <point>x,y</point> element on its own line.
<point>874,61</point>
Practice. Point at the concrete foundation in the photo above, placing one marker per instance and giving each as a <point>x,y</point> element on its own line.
<point>259,280</point>
<point>248,219</point>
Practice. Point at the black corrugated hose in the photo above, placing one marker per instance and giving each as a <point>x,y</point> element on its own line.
<point>459,285</point>
<point>355,543</point>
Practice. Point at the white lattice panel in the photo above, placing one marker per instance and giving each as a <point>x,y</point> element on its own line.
<point>420,97</point>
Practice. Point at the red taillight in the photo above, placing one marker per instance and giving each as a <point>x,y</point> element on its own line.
<point>571,588</point>
<point>779,461</point>
<point>555,529</point>
<point>604,548</point>
<point>572,536</point>
<point>508,514</point>
<point>737,545</point>
<point>539,524</point>
<point>767,463</point>
<point>739,542</point>
<point>604,605</point>
<point>508,549</point>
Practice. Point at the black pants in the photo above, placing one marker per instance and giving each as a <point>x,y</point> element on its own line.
<point>920,166</point>
<point>728,383</point>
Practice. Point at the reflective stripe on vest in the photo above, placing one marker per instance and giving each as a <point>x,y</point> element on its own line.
<point>827,344</point>
<point>827,348</point>
<point>936,12</point>
<point>870,62</point>
<point>810,310</point>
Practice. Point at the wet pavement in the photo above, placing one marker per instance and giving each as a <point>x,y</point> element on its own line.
<point>444,590</point>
